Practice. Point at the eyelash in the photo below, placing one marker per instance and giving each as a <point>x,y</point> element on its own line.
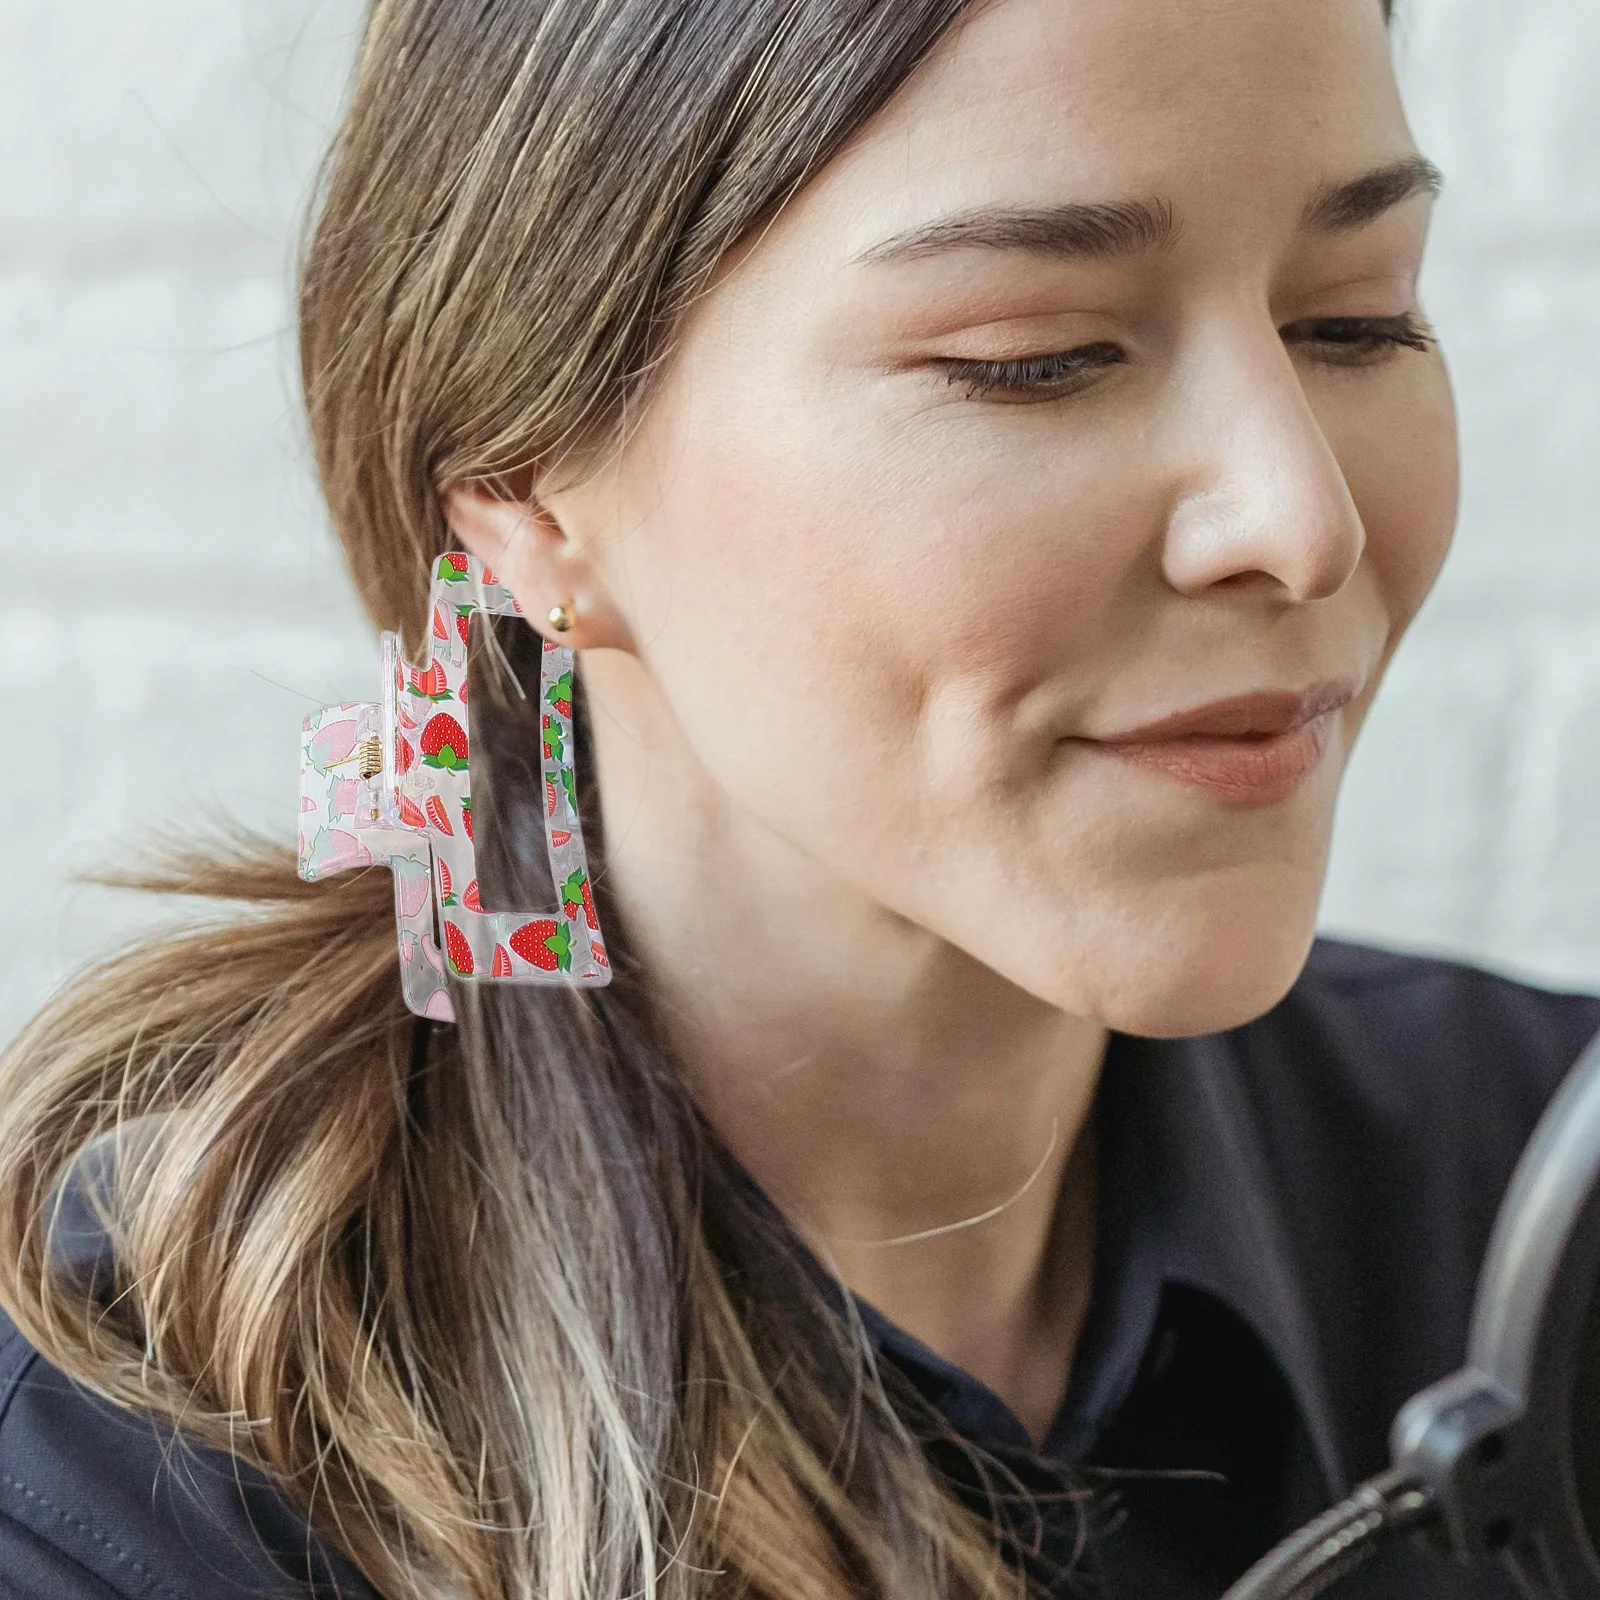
<point>1344,342</point>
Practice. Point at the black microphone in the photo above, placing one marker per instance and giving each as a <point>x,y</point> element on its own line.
<point>1501,1460</point>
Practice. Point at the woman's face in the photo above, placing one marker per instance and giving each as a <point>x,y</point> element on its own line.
<point>1085,389</point>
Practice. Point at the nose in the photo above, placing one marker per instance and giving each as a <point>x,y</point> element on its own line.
<point>1262,496</point>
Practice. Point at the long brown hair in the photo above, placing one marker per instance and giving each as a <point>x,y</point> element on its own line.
<point>490,1302</point>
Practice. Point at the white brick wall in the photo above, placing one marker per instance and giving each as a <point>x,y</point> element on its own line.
<point>153,160</point>
<point>1470,821</point>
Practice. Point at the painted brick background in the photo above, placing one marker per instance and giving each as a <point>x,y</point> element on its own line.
<point>154,160</point>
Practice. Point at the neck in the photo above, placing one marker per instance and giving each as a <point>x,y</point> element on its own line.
<point>917,1118</point>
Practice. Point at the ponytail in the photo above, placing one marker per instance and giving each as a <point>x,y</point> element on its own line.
<point>489,1302</point>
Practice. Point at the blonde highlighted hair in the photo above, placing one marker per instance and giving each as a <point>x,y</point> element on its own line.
<point>489,1302</point>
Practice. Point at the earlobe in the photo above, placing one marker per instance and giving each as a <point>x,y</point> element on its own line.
<point>549,572</point>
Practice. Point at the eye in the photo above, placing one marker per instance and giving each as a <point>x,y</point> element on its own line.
<point>1359,341</point>
<point>1033,378</point>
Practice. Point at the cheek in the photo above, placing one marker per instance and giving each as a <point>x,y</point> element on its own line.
<point>853,632</point>
<point>892,589</point>
<point>1402,468</point>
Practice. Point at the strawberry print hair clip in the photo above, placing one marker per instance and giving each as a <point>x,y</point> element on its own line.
<point>390,781</point>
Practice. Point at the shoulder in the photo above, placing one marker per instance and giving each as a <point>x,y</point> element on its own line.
<point>1438,1048</point>
<point>99,1503</point>
<point>1390,1097</point>
<point>1369,976</point>
<point>1411,1081</point>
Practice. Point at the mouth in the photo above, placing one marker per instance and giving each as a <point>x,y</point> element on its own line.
<point>1249,750</point>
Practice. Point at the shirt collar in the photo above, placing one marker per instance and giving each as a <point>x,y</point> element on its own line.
<point>1186,1198</point>
<point>1189,1197</point>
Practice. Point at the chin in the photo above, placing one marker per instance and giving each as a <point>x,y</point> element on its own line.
<point>1187,971</point>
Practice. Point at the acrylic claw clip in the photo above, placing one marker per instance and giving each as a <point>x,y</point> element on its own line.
<point>390,781</point>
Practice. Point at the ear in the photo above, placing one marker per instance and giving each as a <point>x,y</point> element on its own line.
<point>524,545</point>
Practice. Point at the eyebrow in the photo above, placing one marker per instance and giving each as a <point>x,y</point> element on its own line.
<point>1072,231</point>
<point>1344,207</point>
<point>1100,230</point>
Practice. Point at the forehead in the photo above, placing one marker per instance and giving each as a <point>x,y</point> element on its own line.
<point>1049,100</point>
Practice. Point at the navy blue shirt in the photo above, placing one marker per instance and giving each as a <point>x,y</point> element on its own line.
<point>1292,1216</point>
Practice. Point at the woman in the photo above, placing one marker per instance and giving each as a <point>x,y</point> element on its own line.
<point>985,457</point>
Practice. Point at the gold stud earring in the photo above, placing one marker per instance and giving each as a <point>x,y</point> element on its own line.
<point>561,617</point>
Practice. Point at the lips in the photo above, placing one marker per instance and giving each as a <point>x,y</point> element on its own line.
<point>1253,749</point>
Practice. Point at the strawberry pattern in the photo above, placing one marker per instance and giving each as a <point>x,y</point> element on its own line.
<point>575,897</point>
<point>436,814</point>
<point>559,694</point>
<point>546,943</point>
<point>402,816</point>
